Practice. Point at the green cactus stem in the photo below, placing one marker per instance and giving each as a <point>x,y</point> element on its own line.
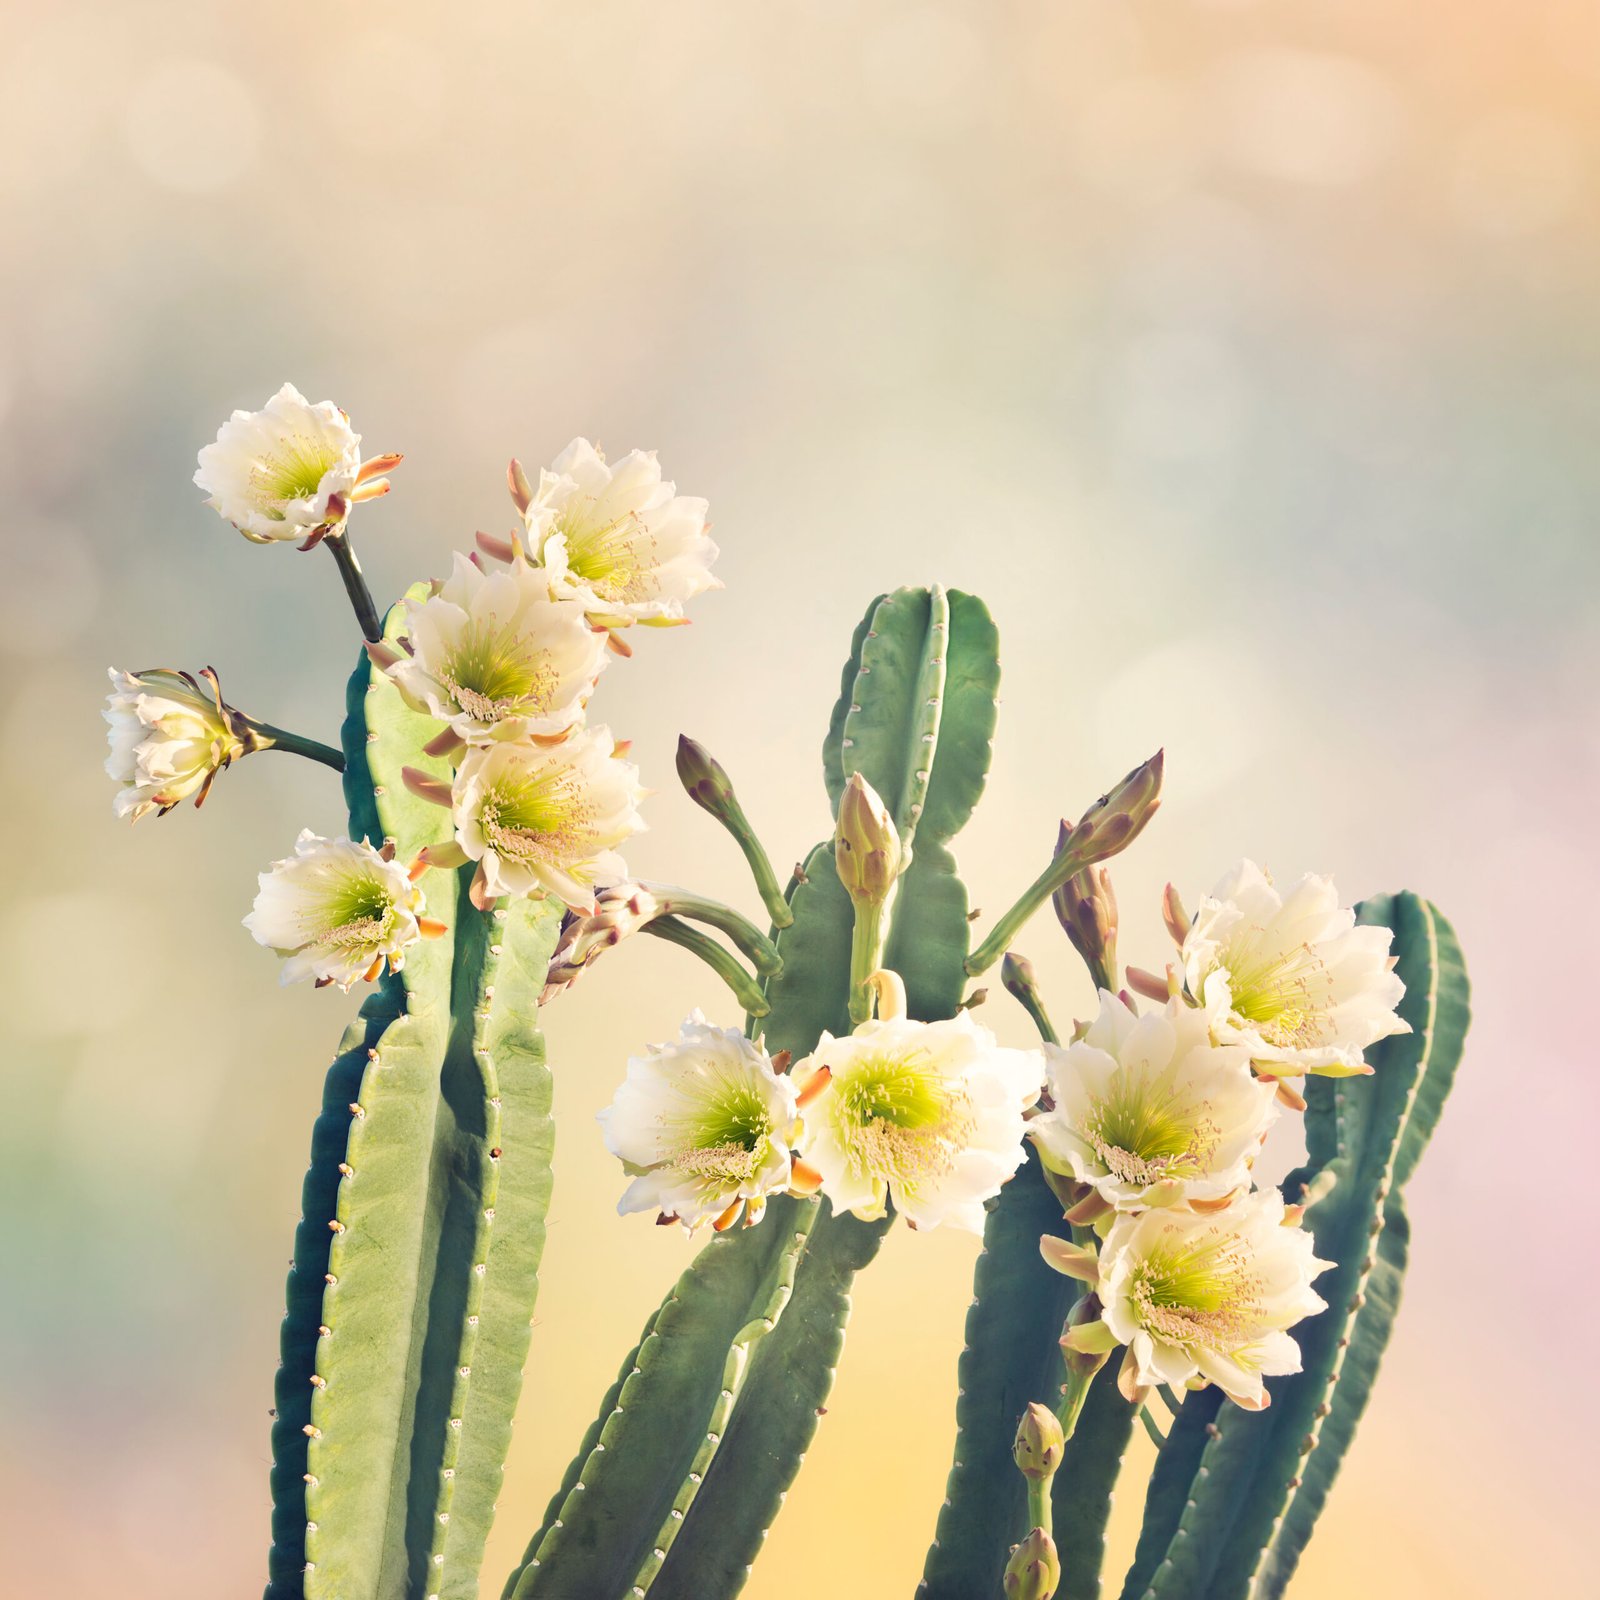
<point>745,988</point>
<point>1235,1494</point>
<point>709,786</point>
<point>426,1284</point>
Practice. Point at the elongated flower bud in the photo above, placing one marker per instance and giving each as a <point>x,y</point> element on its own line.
<point>170,734</point>
<point>705,781</point>
<point>1039,1443</point>
<point>866,845</point>
<point>1034,1570</point>
<point>1086,907</point>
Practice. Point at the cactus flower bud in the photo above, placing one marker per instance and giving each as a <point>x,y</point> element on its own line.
<point>866,845</point>
<point>1039,1442</point>
<point>1086,907</point>
<point>1034,1570</point>
<point>170,734</point>
<point>704,779</point>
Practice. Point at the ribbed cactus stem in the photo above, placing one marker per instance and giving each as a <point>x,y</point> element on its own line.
<point>722,962</point>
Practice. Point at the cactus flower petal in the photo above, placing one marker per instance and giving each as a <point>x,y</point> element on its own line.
<point>494,657</point>
<point>169,734</point>
<point>618,538</point>
<point>1150,1111</point>
<point>285,472</point>
<point>337,911</point>
<point>704,1125</point>
<point>547,819</point>
<point>1212,1297</point>
<point>929,1114</point>
<point>1291,976</point>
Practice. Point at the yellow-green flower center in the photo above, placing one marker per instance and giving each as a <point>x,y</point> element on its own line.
<point>612,558</point>
<point>491,677</point>
<point>1284,994</point>
<point>901,1118</point>
<point>727,1140</point>
<point>358,912</point>
<point>292,470</point>
<point>543,816</point>
<point>1199,1290</point>
<point>1144,1133</point>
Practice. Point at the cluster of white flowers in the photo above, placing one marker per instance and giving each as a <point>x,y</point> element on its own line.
<point>1154,1121</point>
<point>504,657</point>
<point>928,1115</point>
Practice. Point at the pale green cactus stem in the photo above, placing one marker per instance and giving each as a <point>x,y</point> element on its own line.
<point>408,1320</point>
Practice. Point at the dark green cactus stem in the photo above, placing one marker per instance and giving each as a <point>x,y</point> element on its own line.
<point>725,1407</point>
<point>355,585</point>
<point>433,1212</point>
<point>1235,1494</point>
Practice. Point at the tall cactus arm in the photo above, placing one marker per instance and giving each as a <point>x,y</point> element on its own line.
<point>521,937</point>
<point>784,1373</point>
<point>654,1437</point>
<point>1010,1356</point>
<point>303,1317</point>
<point>1081,1494</point>
<point>773,1422</point>
<point>419,1350</point>
<point>1259,1480</point>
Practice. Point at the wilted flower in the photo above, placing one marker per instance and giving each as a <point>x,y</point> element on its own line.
<point>618,911</point>
<point>703,1126</point>
<point>337,910</point>
<point>289,471</point>
<point>1291,976</point>
<point>930,1113</point>
<point>495,657</point>
<point>170,734</point>
<point>618,538</point>
<point>1150,1111</point>
<point>546,819</point>
<point>1207,1296</point>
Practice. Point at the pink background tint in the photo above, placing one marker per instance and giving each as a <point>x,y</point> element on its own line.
<point>1242,356</point>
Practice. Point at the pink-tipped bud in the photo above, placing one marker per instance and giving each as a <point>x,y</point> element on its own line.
<point>1034,1570</point>
<point>867,849</point>
<point>1038,1446</point>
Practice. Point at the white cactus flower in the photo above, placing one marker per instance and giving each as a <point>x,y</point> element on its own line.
<point>494,656</point>
<point>337,911</point>
<point>170,735</point>
<point>1291,977</point>
<point>1207,1296</point>
<point>703,1126</point>
<point>928,1113</point>
<point>619,538</point>
<point>288,471</point>
<point>1150,1111</point>
<point>542,819</point>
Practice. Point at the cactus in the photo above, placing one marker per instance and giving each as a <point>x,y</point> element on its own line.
<point>1110,1174</point>
<point>1234,1496</point>
<point>416,1263</point>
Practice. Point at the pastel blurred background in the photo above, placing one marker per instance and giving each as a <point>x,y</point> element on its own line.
<point>1242,356</point>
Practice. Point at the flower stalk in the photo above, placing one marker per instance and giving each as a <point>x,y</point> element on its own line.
<point>670,901</point>
<point>1110,825</point>
<point>1017,975</point>
<point>355,585</point>
<point>271,738</point>
<point>709,786</point>
<point>745,989</point>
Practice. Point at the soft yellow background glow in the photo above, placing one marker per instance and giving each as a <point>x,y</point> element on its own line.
<point>1243,356</point>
